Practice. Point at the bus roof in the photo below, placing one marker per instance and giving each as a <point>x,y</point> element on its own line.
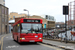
<point>25,18</point>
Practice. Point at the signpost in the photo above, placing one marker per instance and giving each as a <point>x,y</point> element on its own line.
<point>65,12</point>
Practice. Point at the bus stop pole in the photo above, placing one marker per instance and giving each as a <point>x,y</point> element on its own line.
<point>71,34</point>
<point>66,27</point>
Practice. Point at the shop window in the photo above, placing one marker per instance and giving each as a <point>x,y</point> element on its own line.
<point>71,22</point>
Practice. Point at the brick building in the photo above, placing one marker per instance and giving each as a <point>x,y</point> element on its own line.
<point>4,27</point>
<point>60,24</point>
<point>71,15</point>
<point>14,15</point>
<point>2,2</point>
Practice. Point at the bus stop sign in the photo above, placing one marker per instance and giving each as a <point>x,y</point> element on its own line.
<point>65,10</point>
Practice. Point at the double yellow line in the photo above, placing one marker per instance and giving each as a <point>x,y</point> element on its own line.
<point>1,42</point>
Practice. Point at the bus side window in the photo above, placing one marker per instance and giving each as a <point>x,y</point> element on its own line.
<point>18,28</point>
<point>14,29</point>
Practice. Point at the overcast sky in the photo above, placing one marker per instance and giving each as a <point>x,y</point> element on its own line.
<point>39,7</point>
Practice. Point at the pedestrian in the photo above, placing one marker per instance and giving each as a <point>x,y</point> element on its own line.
<point>74,37</point>
<point>47,34</point>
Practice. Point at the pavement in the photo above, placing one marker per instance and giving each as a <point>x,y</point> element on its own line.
<point>68,46</point>
<point>7,43</point>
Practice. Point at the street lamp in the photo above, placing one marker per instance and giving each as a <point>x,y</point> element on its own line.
<point>27,11</point>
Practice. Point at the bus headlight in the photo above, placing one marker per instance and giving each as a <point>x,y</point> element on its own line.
<point>22,38</point>
<point>40,38</point>
<point>36,36</point>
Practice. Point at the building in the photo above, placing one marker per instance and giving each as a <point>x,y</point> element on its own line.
<point>47,23</point>
<point>48,17</point>
<point>71,15</point>
<point>2,2</point>
<point>50,21</point>
<point>4,27</point>
<point>60,25</point>
<point>14,15</point>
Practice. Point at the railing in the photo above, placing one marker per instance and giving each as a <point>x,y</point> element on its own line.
<point>53,34</point>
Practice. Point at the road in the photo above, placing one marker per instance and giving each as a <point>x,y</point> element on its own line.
<point>7,43</point>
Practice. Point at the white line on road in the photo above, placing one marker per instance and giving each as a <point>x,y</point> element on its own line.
<point>14,46</point>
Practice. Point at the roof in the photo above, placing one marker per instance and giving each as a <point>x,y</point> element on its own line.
<point>12,21</point>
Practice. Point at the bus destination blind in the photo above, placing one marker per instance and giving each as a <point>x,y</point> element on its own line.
<point>36,21</point>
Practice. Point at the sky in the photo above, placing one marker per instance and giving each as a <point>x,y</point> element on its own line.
<point>39,7</point>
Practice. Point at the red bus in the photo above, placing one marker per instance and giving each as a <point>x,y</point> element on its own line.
<point>28,30</point>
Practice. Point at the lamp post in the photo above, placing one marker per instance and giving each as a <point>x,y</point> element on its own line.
<point>27,11</point>
<point>65,12</point>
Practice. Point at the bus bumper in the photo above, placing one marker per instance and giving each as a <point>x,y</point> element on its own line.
<point>30,40</point>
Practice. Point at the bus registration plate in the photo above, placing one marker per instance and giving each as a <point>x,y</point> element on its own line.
<point>32,41</point>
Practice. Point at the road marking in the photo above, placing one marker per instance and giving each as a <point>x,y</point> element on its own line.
<point>50,47</point>
<point>2,41</point>
<point>14,46</point>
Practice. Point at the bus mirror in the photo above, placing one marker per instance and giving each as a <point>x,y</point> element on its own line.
<point>18,25</point>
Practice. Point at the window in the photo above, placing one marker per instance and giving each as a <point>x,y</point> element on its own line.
<point>37,28</point>
<point>4,4</point>
<point>9,16</point>
<point>26,28</point>
<point>6,20</point>
<point>3,0</point>
<point>46,16</point>
<point>49,17</point>
<point>14,17</point>
<point>2,19</point>
<point>16,28</point>
<point>71,22</point>
<point>31,28</point>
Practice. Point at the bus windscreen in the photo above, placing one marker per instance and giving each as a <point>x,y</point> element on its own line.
<point>31,28</point>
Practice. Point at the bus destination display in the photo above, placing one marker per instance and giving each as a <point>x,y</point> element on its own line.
<point>36,21</point>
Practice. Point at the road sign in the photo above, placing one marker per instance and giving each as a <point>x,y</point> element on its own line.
<point>65,10</point>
